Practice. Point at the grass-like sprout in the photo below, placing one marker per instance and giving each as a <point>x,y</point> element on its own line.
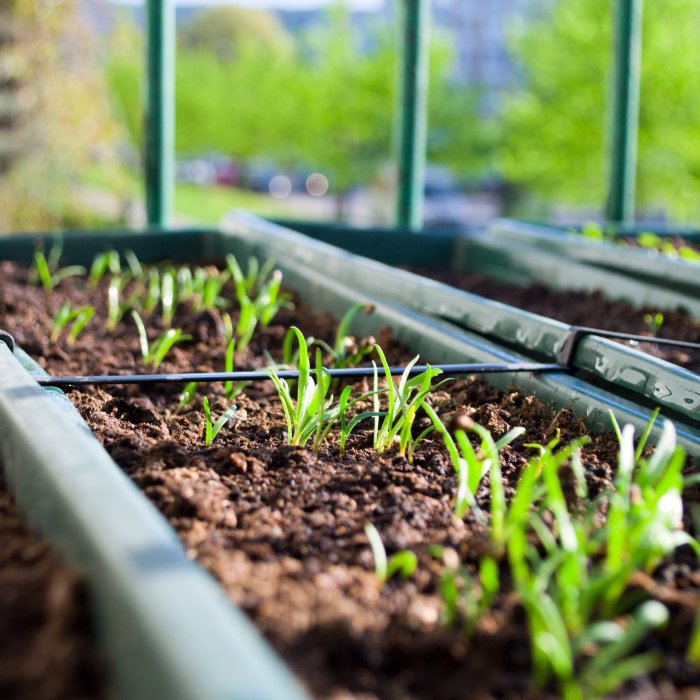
<point>48,274</point>
<point>471,467</point>
<point>307,415</point>
<point>654,322</point>
<point>211,430</point>
<point>116,308</point>
<point>154,353</point>
<point>187,396</point>
<point>231,388</point>
<point>168,296</point>
<point>348,425</point>
<point>261,308</point>
<point>255,276</point>
<point>151,290</point>
<point>209,295</point>
<point>573,582</point>
<point>467,597</point>
<point>79,317</point>
<point>403,561</point>
<point>109,260</point>
<point>346,352</point>
<point>135,267</point>
<point>403,401</point>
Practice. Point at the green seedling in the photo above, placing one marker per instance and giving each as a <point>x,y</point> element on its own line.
<point>187,396</point>
<point>466,597</point>
<point>263,308</point>
<point>210,295</point>
<point>472,466</point>
<point>135,267</point>
<point>228,327</point>
<point>154,353</point>
<point>348,425</point>
<point>232,389</point>
<point>403,401</point>
<point>270,299</point>
<point>109,260</point>
<point>211,430</point>
<point>151,293</point>
<point>79,317</point>
<point>654,322</point>
<point>168,298</point>
<point>254,278</point>
<point>346,351</point>
<point>47,273</point>
<point>116,308</point>
<point>573,583</point>
<point>308,414</point>
<point>403,561</point>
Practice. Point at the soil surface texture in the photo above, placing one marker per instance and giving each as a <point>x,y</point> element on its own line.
<point>592,309</point>
<point>46,647</point>
<point>282,529</point>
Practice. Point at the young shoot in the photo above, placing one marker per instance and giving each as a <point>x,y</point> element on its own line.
<point>154,353</point>
<point>116,308</point>
<point>654,322</point>
<point>308,415</point>
<point>109,260</point>
<point>168,298</point>
<point>187,396</point>
<point>79,317</point>
<point>466,597</point>
<point>403,401</point>
<point>211,430</point>
<point>403,561</point>
<point>47,273</point>
<point>348,425</point>
<point>232,389</point>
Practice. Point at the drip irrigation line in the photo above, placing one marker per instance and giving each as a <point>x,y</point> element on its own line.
<point>256,375</point>
<point>565,356</point>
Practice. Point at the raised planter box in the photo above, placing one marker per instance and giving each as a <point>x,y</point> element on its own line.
<point>166,628</point>
<point>638,263</point>
<point>622,369</point>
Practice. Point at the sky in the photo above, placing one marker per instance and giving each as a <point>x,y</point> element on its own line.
<point>275,4</point>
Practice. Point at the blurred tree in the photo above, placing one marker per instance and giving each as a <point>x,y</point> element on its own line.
<point>224,29</point>
<point>325,102</point>
<point>61,125</point>
<point>554,128</point>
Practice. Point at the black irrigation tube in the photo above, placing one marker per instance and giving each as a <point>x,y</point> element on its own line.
<point>564,357</point>
<point>256,375</point>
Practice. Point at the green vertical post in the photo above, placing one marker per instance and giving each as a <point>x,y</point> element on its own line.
<point>160,111</point>
<point>625,109</point>
<point>413,116</point>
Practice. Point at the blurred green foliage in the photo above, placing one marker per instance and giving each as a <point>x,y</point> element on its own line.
<point>60,124</point>
<point>554,126</point>
<point>325,100</point>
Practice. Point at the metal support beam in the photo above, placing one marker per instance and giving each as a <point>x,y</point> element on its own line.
<point>160,111</point>
<point>625,109</point>
<point>413,117</point>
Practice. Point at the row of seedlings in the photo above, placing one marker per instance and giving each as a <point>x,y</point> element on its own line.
<point>440,476</point>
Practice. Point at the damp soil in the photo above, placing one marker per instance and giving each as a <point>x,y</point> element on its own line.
<point>282,529</point>
<point>47,650</point>
<point>592,309</point>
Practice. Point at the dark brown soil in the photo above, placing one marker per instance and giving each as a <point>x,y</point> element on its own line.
<point>592,309</point>
<point>282,530</point>
<point>47,651</point>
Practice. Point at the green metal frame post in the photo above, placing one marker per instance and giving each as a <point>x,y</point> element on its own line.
<point>625,109</point>
<point>160,111</point>
<point>413,116</point>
